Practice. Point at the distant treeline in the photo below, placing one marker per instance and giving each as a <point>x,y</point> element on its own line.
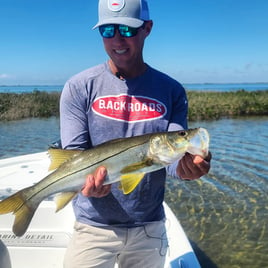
<point>202,105</point>
<point>14,106</point>
<point>216,105</point>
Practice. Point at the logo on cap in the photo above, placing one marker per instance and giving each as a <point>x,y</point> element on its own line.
<point>116,5</point>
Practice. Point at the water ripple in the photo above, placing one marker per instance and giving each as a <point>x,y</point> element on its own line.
<point>226,212</point>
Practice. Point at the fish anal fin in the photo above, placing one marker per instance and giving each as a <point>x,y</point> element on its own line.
<point>130,181</point>
<point>63,199</point>
<point>137,166</point>
<point>59,156</point>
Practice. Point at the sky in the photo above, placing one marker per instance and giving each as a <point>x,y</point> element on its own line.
<point>45,42</point>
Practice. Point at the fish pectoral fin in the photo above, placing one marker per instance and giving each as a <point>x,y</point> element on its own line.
<point>21,208</point>
<point>59,156</point>
<point>137,166</point>
<point>63,199</point>
<point>130,181</point>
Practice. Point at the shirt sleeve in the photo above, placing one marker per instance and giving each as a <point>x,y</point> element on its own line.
<point>178,120</point>
<point>73,118</point>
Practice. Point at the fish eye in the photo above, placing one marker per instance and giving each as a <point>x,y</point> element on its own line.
<point>182,133</point>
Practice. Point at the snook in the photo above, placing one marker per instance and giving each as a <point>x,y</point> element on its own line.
<point>127,160</point>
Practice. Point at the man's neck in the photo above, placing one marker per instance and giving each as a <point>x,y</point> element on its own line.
<point>122,73</point>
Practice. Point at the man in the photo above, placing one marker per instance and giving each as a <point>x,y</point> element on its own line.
<point>120,98</point>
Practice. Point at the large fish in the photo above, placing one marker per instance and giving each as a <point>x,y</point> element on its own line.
<point>127,160</point>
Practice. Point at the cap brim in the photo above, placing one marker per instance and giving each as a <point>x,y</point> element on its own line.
<point>131,22</point>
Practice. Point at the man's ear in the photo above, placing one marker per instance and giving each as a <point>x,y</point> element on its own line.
<point>148,27</point>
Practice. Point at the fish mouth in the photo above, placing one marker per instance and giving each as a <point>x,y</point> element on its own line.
<point>199,143</point>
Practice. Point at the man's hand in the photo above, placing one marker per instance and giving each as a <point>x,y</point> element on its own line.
<point>94,184</point>
<point>192,167</point>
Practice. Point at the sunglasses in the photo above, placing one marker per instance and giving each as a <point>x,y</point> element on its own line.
<point>108,30</point>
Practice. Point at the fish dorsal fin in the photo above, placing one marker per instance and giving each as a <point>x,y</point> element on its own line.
<point>137,166</point>
<point>130,181</point>
<point>59,156</point>
<point>62,199</point>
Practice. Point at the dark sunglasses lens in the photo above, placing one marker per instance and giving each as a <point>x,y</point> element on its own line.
<point>107,31</point>
<point>127,31</point>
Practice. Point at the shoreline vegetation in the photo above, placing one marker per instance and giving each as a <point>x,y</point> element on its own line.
<point>202,105</point>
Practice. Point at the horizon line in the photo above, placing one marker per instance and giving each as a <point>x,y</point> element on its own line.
<point>183,83</point>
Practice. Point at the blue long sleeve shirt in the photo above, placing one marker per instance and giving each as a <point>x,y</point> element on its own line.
<point>96,107</point>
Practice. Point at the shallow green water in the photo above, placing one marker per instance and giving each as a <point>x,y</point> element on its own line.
<point>225,213</point>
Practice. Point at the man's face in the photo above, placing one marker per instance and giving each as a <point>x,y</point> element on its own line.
<point>126,52</point>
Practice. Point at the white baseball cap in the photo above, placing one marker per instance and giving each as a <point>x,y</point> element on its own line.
<point>132,13</point>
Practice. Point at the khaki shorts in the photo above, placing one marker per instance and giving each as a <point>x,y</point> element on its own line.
<point>140,247</point>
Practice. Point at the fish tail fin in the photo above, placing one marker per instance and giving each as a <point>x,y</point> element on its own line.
<point>23,217</point>
<point>12,203</point>
<point>21,209</point>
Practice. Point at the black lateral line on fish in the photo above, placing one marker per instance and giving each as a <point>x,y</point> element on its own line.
<point>77,171</point>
